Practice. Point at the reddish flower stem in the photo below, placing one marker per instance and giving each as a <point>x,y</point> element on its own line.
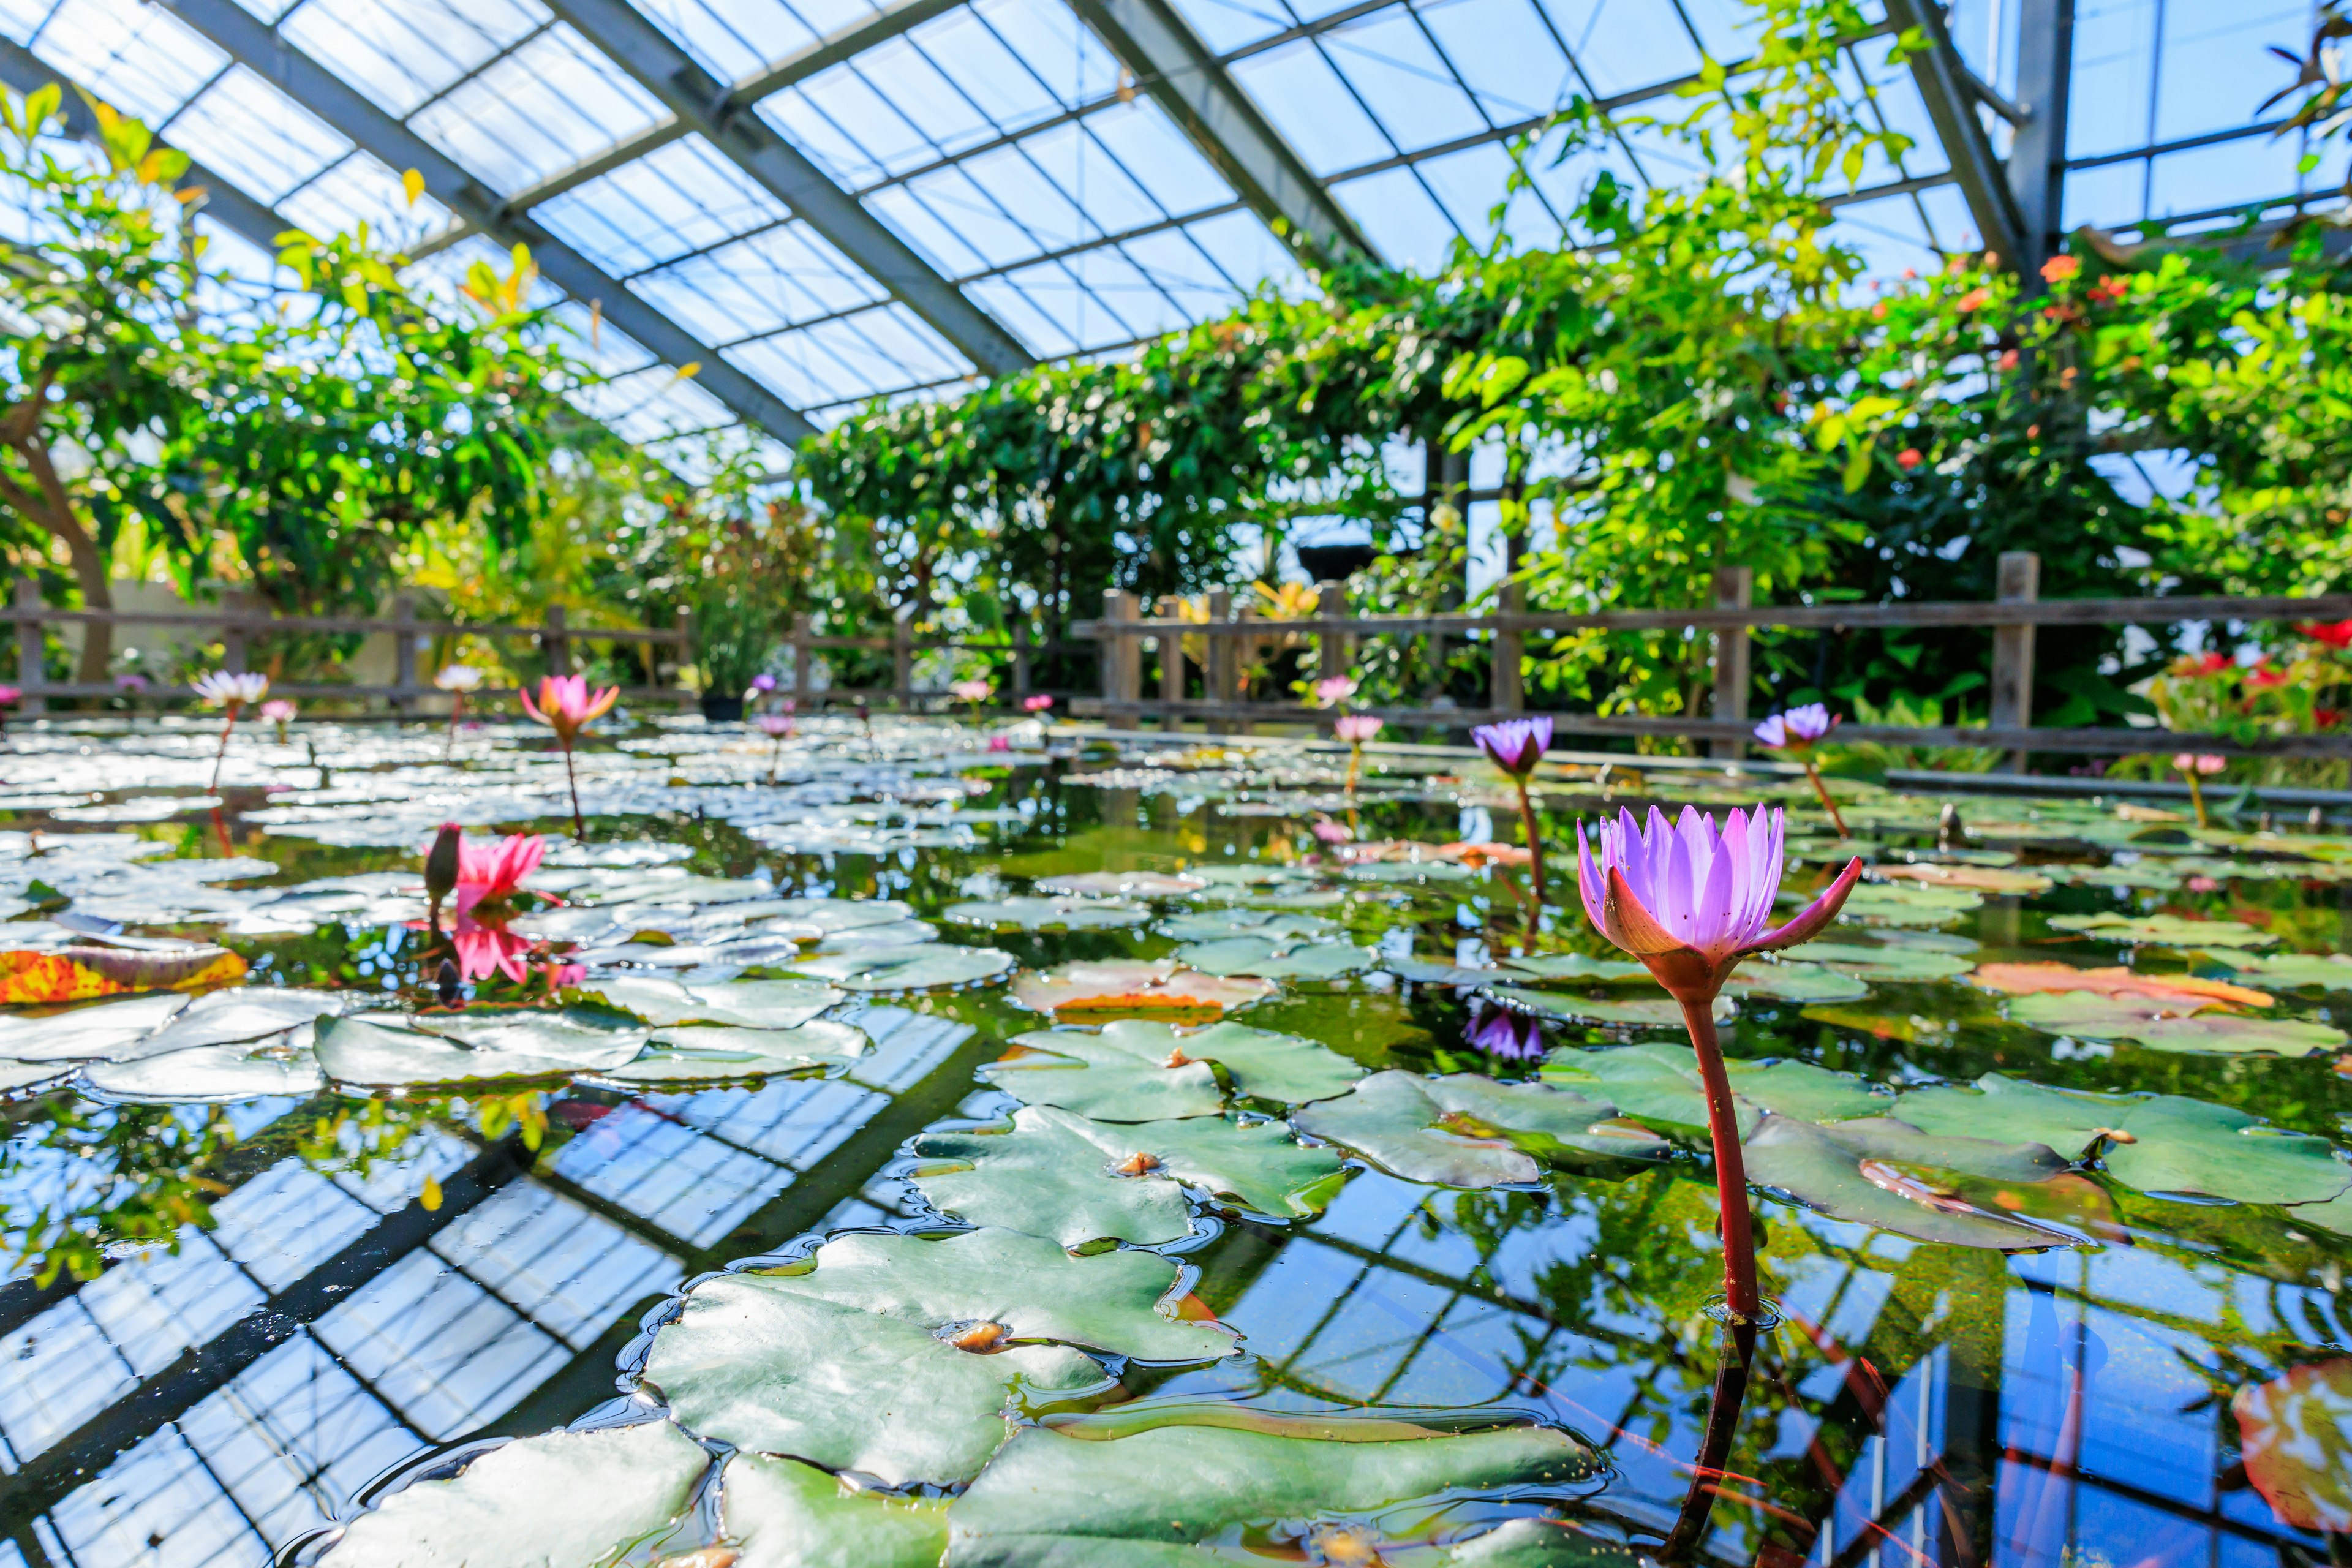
<point>571,777</point>
<point>221,755</point>
<point>1730,1169</point>
<point>1535,842</point>
<point>1828,804</point>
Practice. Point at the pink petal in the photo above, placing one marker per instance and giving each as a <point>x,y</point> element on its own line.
<point>1630,925</point>
<point>1811,919</point>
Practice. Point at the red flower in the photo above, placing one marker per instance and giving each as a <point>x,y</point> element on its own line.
<point>1909,458</point>
<point>2337,635</point>
<point>1974,299</point>
<point>2008,361</point>
<point>2263,677</point>
<point>2328,718</point>
<point>2202,664</point>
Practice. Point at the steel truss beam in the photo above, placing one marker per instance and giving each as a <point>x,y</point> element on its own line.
<point>1945,84</point>
<point>699,102</point>
<point>2037,156</point>
<point>229,206</point>
<point>273,57</point>
<point>1171,63</point>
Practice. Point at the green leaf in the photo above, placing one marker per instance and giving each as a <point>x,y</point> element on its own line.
<point>1215,925</point>
<point>378,1049</point>
<point>922,966</point>
<point>1082,1073</point>
<point>2327,971</point>
<point>1272,959</point>
<point>2156,1024</point>
<point>1053,1499</point>
<point>2164,930</point>
<point>690,1053</point>
<point>1830,1171</point>
<point>217,1074</point>
<point>1577,966</point>
<point>567,1499</point>
<point>1895,964</point>
<point>1466,1131</point>
<point>1790,982</point>
<point>753,1003</point>
<point>781,1513</point>
<point>1661,1013</point>
<point>1048,914</point>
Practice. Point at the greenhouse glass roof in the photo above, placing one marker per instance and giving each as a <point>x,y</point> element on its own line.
<point>817,202</point>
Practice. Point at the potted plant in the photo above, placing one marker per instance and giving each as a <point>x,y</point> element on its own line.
<point>734,635</point>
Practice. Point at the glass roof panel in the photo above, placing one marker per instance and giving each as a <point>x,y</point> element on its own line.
<point>596,341</point>
<point>1902,108</point>
<point>944,120</point>
<point>1096,182</point>
<point>2225,176</point>
<point>1624,44</point>
<point>2115,68</point>
<point>774,278</point>
<point>1248,253</point>
<point>854,130</point>
<point>254,136</point>
<point>1400,217</point>
<point>654,403</point>
<point>1192,278</point>
<point>938,242</point>
<point>1065,54</point>
<point>720,35</point>
<point>1023,190</point>
<point>1726,28</point>
<point>402,52</point>
<point>960,204</point>
<point>1040,333</point>
<point>2210,80</point>
<point>1388,61</point>
<point>1469,183</point>
<point>1148,144</point>
<point>1295,88</point>
<point>141,58</point>
<point>551,104</point>
<point>967,50</point>
<point>679,197</point>
<point>879,351</point>
<point>359,189</point>
<point>1505,50</point>
<point>1229,24</point>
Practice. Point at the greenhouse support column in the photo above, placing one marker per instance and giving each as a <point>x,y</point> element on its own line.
<point>31,641</point>
<point>1734,589</point>
<point>1217,680</point>
<point>1172,662</point>
<point>404,649</point>
<point>1507,691</point>
<point>2017,580</point>
<point>556,642</point>
<point>1122,665</point>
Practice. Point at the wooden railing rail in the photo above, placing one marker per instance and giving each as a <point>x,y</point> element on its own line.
<point>2014,614</point>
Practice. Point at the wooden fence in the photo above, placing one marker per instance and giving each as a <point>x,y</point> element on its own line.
<point>1124,632</point>
<point>554,635</point>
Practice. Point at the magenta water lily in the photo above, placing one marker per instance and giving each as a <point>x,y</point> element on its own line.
<point>1516,746</point>
<point>1690,899</point>
<point>1795,733</point>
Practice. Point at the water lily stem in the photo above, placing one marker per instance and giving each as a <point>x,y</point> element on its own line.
<point>571,777</point>
<point>1730,1169</point>
<point>1828,804</point>
<point>2197,796</point>
<point>230,723</point>
<point>1534,843</point>
<point>1733,1359</point>
<point>1355,762</point>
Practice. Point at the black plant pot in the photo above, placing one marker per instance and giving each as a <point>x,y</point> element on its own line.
<point>722,710</point>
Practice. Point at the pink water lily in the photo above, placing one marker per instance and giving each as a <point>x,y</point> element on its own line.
<point>567,707</point>
<point>230,691</point>
<point>1691,900</point>
<point>777,727</point>
<point>1336,688</point>
<point>487,873</point>
<point>1036,704</point>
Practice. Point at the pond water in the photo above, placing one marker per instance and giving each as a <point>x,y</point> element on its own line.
<point>1329,1208</point>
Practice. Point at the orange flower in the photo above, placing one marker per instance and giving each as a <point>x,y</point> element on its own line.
<point>2058,268</point>
<point>1976,299</point>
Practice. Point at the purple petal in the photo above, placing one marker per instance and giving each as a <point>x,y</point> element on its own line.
<point>1711,926</point>
<point>1589,883</point>
<point>1813,918</point>
<point>1772,733</point>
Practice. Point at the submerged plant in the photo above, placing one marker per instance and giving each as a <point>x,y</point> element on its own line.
<point>1795,733</point>
<point>1516,746</point>
<point>567,707</point>
<point>230,691</point>
<point>1356,729</point>
<point>1690,902</point>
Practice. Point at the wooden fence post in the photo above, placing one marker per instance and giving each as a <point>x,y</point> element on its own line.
<point>1506,689</point>
<point>555,643</point>
<point>1123,666</point>
<point>2017,580</point>
<point>1217,675</point>
<point>683,628</point>
<point>31,640</point>
<point>233,649</point>
<point>803,658</point>
<point>1172,661</point>
<point>1333,653</point>
<point>1020,660</point>
<point>405,650</point>
<point>1735,588</point>
<point>1245,650</point>
<point>902,656</point>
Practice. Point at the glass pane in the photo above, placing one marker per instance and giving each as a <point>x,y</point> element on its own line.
<point>1397,215</point>
<point>1247,251</point>
<point>1066,56</point>
<point>1625,43</point>
<point>2115,61</point>
<point>731,38</point>
<point>1092,179</point>
<point>1299,92</point>
<point>946,121</point>
<point>254,136</point>
<point>756,285</point>
<point>2215,70</point>
<point>1227,25</point>
<point>654,403</point>
<point>1143,138</point>
<point>1407,86</point>
<point>680,197</point>
<point>967,50</point>
<point>361,189</point>
<point>1505,52</point>
<point>914,221</point>
<point>549,106</point>
<point>141,58</point>
<point>402,52</point>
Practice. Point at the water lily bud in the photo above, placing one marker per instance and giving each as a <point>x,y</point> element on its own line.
<point>441,863</point>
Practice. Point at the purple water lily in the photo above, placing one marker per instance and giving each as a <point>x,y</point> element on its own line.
<point>1516,746</point>
<point>1795,733</point>
<point>1505,1036</point>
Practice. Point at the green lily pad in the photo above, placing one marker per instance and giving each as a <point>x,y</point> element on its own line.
<point>1055,1498</point>
<point>830,917</point>
<point>1660,1013</point>
<point>1901,963</point>
<point>1409,872</point>
<point>1120,1301</point>
<point>1261,1064</point>
<point>2160,1026</point>
<point>381,1050</point>
<point>567,1499</point>
<point>751,1003</point>
<point>1048,914</point>
<point>1215,925</point>
<point>2178,1145</point>
<point>1130,884</point>
<point>751,1363</point>
<point>215,1074</point>
<point>91,1033</point>
<point>2327,971</point>
<point>1824,1171</point>
<point>1466,1131</point>
<point>1078,1180</point>
<point>245,1012</point>
<point>898,933</point>
<point>1881,903</point>
<point>1083,1073</point>
<point>1790,982</point>
<point>693,1053</point>
<point>1270,960</point>
<point>2164,930</point>
<point>784,1514</point>
<point>1577,966</point>
<point>1658,1082</point>
<point>919,967</point>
